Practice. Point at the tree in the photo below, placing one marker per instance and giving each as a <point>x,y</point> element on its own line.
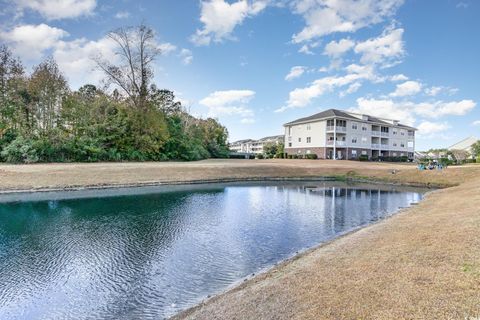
<point>460,155</point>
<point>12,83</point>
<point>47,87</point>
<point>476,149</point>
<point>136,50</point>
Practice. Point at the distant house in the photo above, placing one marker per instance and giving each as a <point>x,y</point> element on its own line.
<point>337,134</point>
<point>254,146</point>
<point>465,145</point>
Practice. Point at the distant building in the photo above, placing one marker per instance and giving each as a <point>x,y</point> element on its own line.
<point>336,134</point>
<point>465,145</point>
<point>254,146</point>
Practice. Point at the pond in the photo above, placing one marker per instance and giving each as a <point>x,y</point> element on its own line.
<point>151,252</point>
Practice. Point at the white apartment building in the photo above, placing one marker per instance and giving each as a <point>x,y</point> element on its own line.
<point>254,146</point>
<point>336,134</point>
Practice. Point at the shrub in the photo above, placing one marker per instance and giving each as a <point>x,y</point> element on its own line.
<point>363,157</point>
<point>259,156</point>
<point>20,150</point>
<point>311,156</point>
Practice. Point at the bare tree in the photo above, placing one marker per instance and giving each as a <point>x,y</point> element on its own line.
<point>136,49</point>
<point>460,155</point>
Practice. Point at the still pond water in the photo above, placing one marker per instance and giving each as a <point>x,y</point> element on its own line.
<point>150,253</point>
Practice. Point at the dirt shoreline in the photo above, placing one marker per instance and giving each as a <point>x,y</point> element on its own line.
<point>422,263</point>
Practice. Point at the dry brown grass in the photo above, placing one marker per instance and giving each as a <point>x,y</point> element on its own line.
<point>47,176</point>
<point>423,263</point>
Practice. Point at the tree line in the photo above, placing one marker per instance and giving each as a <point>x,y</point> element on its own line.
<point>128,119</point>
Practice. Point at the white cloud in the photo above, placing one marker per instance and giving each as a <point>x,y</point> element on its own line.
<point>440,108</point>
<point>122,15</point>
<point>247,121</point>
<point>434,91</point>
<point>59,9</point>
<point>351,89</point>
<point>220,18</point>
<point>186,56</point>
<point>75,59</point>
<point>426,128</point>
<point>166,48</point>
<point>230,103</point>
<point>407,88</point>
<point>31,41</point>
<point>336,49</point>
<point>385,50</point>
<point>398,77</point>
<point>301,97</point>
<point>384,109</point>
<point>324,17</point>
<point>295,72</point>
<point>476,123</point>
<point>306,48</point>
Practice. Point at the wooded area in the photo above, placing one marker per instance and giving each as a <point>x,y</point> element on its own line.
<point>130,118</point>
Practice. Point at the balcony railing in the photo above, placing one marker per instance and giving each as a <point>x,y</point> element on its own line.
<point>339,129</point>
<point>339,143</point>
<point>375,146</point>
<point>376,133</point>
<point>385,134</point>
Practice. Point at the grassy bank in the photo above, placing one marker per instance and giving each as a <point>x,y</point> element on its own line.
<point>81,175</point>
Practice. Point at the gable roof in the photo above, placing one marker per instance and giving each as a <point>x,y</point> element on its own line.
<point>464,144</point>
<point>330,113</point>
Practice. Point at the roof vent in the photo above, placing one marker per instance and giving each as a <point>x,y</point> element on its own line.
<point>395,122</point>
<point>364,117</point>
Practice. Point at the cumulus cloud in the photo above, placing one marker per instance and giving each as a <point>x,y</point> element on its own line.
<point>31,41</point>
<point>295,72</point>
<point>300,97</point>
<point>324,17</point>
<point>386,50</point>
<point>186,56</point>
<point>384,108</point>
<point>439,109</point>
<point>476,123</point>
<point>220,18</point>
<point>230,103</point>
<point>398,77</point>
<point>426,128</point>
<point>407,88</point>
<point>337,48</point>
<point>59,9</point>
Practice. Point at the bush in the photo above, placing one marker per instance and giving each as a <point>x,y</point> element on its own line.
<point>20,150</point>
<point>311,156</point>
<point>259,156</point>
<point>363,157</point>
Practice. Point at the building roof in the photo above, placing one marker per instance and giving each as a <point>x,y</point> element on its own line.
<point>330,113</point>
<point>335,113</point>
<point>278,137</point>
<point>465,144</point>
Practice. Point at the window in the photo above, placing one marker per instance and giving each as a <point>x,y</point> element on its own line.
<point>364,152</point>
<point>309,139</point>
<point>394,132</point>
<point>289,131</point>
<point>394,154</point>
<point>308,127</point>
<point>308,151</point>
<point>394,144</point>
<point>402,133</point>
<point>299,139</point>
<point>364,128</point>
<point>354,126</point>
<point>354,152</point>
<point>402,145</point>
<point>289,144</point>
<point>364,139</point>
<point>354,140</point>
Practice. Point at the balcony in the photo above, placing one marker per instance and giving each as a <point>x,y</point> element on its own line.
<point>338,144</point>
<point>385,134</point>
<point>376,133</point>
<point>339,129</point>
<point>375,146</point>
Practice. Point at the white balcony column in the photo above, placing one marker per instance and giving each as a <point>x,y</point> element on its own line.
<point>334,139</point>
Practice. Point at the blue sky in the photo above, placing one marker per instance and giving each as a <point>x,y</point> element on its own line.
<point>258,64</point>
